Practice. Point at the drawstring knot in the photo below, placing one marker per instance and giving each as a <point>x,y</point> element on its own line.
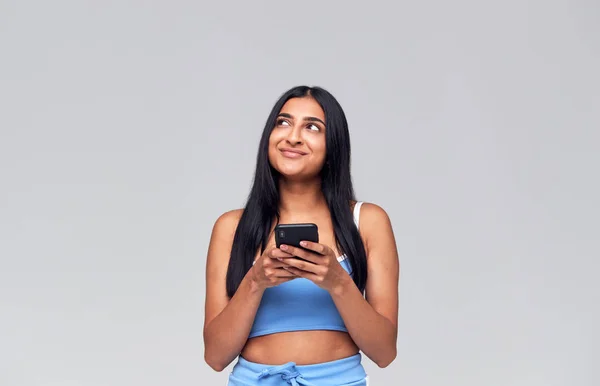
<point>288,373</point>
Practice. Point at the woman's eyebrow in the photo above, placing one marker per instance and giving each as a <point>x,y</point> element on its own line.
<point>310,119</point>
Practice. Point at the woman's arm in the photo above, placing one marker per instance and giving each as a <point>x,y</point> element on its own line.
<point>227,322</point>
<point>372,322</point>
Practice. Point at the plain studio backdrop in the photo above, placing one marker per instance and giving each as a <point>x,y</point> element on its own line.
<point>128,127</point>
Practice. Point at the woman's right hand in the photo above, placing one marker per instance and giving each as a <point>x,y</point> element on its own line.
<point>269,271</point>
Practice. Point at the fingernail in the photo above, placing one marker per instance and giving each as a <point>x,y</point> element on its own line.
<point>303,243</point>
<point>284,247</point>
<point>280,259</point>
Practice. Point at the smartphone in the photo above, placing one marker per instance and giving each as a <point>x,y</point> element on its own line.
<point>292,234</point>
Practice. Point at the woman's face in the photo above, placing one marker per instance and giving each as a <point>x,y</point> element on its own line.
<point>297,143</point>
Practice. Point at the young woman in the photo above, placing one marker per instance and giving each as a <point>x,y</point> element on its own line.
<point>302,316</point>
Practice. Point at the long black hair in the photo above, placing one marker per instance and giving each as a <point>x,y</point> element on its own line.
<point>262,206</point>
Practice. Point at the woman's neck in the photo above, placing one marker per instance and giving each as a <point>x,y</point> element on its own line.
<point>300,197</point>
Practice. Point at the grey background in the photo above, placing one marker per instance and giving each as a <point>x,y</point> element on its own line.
<point>127,127</point>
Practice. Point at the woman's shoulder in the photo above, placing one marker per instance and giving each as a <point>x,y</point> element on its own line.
<point>373,218</point>
<point>371,212</point>
<point>232,215</point>
<point>376,230</point>
<point>227,222</point>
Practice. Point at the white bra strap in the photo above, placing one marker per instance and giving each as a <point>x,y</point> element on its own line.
<point>357,212</point>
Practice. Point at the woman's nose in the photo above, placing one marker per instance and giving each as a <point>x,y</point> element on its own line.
<point>295,135</point>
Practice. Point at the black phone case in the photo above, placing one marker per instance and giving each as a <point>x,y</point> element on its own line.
<point>292,234</point>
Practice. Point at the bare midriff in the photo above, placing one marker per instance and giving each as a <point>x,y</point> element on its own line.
<point>301,347</point>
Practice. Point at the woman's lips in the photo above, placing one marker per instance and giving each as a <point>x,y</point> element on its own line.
<point>289,153</point>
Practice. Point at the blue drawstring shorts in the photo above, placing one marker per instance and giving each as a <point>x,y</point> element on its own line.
<point>342,372</point>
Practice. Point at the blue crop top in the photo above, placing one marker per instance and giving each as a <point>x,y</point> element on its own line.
<point>299,305</point>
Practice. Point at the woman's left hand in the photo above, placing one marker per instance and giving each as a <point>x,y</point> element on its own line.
<point>320,265</point>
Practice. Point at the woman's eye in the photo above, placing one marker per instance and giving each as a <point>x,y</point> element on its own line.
<point>314,127</point>
<point>282,122</point>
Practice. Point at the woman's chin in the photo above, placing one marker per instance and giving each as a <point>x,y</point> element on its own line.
<point>296,172</point>
<point>289,169</point>
<point>292,175</point>
<point>299,177</point>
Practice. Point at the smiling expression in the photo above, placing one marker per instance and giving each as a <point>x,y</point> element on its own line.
<point>297,146</point>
